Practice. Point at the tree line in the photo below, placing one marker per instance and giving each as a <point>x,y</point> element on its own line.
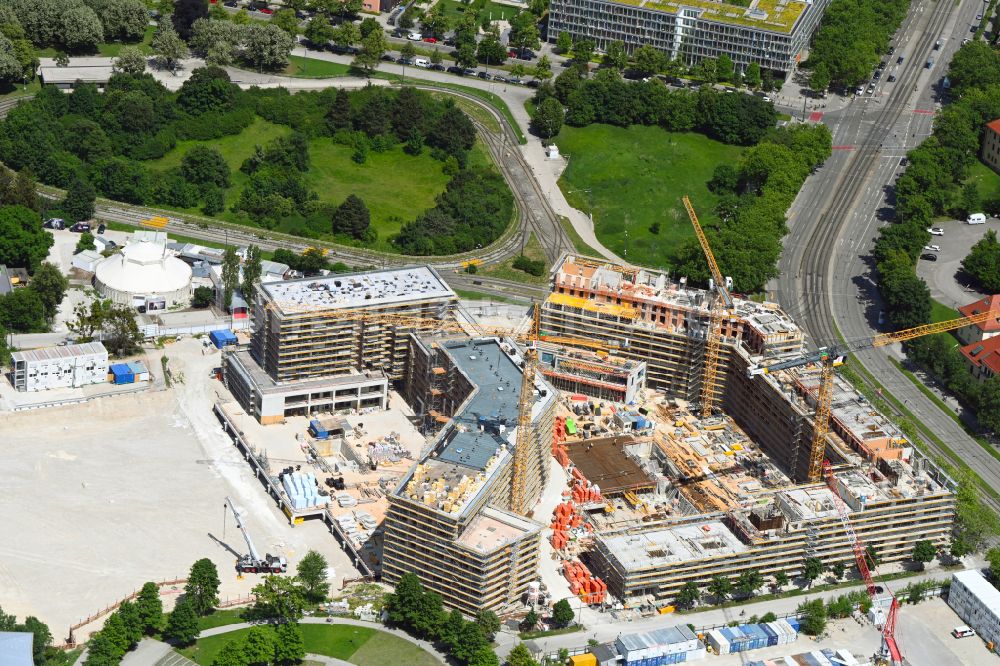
<point>933,185</point>
<point>852,37</point>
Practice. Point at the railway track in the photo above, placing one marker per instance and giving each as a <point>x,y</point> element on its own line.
<point>815,268</point>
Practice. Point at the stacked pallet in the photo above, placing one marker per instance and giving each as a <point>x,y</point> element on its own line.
<point>591,590</point>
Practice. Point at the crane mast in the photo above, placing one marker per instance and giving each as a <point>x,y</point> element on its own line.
<point>717,314</point>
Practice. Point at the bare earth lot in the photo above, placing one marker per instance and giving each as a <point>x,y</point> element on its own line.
<point>97,498</point>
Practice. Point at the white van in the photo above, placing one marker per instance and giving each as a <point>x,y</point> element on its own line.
<point>421,62</point>
<point>976,218</point>
<point>962,632</point>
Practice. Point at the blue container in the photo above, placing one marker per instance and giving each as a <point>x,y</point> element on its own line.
<point>222,338</point>
<point>122,373</point>
<point>317,430</point>
<point>794,621</point>
<point>772,635</point>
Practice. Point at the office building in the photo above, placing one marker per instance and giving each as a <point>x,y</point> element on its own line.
<point>771,33</point>
<point>990,151</point>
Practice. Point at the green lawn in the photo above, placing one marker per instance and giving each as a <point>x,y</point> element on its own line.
<point>454,10</point>
<point>310,68</point>
<point>941,312</point>
<point>636,177</point>
<point>221,618</point>
<point>986,179</point>
<point>396,187</point>
<point>363,646</point>
<point>505,270</point>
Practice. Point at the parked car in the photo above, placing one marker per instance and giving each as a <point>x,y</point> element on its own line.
<point>80,227</point>
<point>899,60</point>
<point>937,45</point>
<point>55,223</point>
<point>101,228</point>
<point>414,36</point>
<point>468,71</point>
<point>483,75</point>
<point>871,88</point>
<point>935,231</point>
<point>979,17</point>
<point>929,256</point>
<point>534,83</point>
<point>438,67</point>
<point>231,3</point>
<point>903,161</point>
<point>388,58</point>
<point>932,248</point>
<point>431,40</point>
<point>500,77</point>
<point>891,78</point>
<point>455,69</point>
<point>892,49</point>
<point>881,317</point>
<point>266,10</point>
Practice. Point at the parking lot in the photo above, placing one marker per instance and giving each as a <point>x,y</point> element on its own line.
<point>924,635</point>
<point>944,277</point>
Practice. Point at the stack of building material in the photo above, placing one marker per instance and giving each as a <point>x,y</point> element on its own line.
<point>585,492</point>
<point>563,519</point>
<point>302,490</point>
<point>590,590</point>
<point>825,657</point>
<point>345,499</point>
<point>671,645</point>
<point>558,437</point>
<point>745,637</point>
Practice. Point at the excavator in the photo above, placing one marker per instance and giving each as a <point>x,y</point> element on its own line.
<point>253,562</point>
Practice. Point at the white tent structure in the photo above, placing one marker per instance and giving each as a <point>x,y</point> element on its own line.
<point>145,274</point>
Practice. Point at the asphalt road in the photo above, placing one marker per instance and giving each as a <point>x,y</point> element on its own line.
<point>827,275</point>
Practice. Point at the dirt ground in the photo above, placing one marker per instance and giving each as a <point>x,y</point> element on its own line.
<point>100,497</point>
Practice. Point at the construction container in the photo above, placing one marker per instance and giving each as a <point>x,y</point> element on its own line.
<point>317,430</point>
<point>585,659</point>
<point>222,338</point>
<point>139,371</point>
<point>122,374</point>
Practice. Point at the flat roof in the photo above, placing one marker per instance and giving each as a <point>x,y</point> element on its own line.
<point>493,529</point>
<point>55,353</point>
<point>981,588</point>
<point>668,545</point>
<point>774,15</point>
<point>657,637</point>
<point>97,74</point>
<point>353,290</point>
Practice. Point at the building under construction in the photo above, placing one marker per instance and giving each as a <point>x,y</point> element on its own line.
<point>595,374</point>
<point>449,520</point>
<point>309,353</point>
<point>730,492</point>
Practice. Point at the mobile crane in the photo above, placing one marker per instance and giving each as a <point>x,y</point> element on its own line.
<point>252,562</point>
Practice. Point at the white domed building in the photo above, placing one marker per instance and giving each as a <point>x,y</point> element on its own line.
<point>144,275</point>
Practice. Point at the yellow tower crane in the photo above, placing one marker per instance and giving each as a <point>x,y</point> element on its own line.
<point>717,314</point>
<point>830,357</point>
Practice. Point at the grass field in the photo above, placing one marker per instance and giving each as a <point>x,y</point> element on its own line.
<point>395,186</point>
<point>363,646</point>
<point>311,68</point>
<point>637,176</point>
<point>505,270</point>
<point>941,312</point>
<point>986,179</point>
<point>454,10</point>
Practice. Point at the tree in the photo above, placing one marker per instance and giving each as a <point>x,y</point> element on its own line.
<point>4,358</point>
<point>583,52</point>
<point>820,79</point>
<point>103,650</point>
<point>768,617</point>
<point>468,643</point>
<point>373,47</point>
<point>205,165</point>
<point>267,46</point>
<point>838,570</point>
<point>368,25</point>
<point>289,646</point>
<point>50,285</point>
<point>748,582</point>
<point>203,297</point>
<point>543,69</point>
<point>279,598</point>
<point>724,67</point>
<point>251,273</point>
<point>287,21</point>
<point>319,32</point>
<point>311,571</point>
<point>752,75</point>
<point>989,404</point>
<point>23,241</point>
<point>352,218</point>
<point>648,60</point>
<point>214,201</point>
<point>230,276</point>
<point>150,608</point>
<point>81,29</point>
<point>520,656</point>
<point>688,595</point>
<point>924,551</point>
<point>123,20</point>
<point>347,34</point>
<point>233,653</point>
<point>490,50</point>
<point>168,45</point>
<point>22,311</point>
<point>812,617</point>
<point>484,656</point>
<point>720,587</point>
<point>88,319</point>
<point>781,579</point>
<point>207,89</point>
<point>121,332</point>
<point>130,60</point>
<point>41,637</point>
<point>465,56</point>
<point>131,624</point>
<point>615,55</point>
<point>812,569</point>
<point>971,201</point>
<point>182,624</point>
<point>529,622</point>
<point>436,56</point>
<point>873,555</point>
<point>548,118</point>
<point>186,12</point>
<point>564,43</point>
<point>203,580</point>
<point>258,646</point>
<point>562,613</point>
<point>488,623</point>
